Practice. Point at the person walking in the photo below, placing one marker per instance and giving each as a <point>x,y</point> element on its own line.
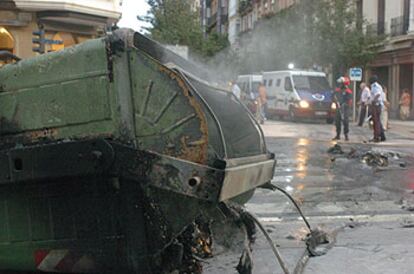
<point>385,109</point>
<point>343,101</point>
<point>376,107</point>
<point>363,103</point>
<point>405,102</point>
<point>262,102</point>
<point>236,90</point>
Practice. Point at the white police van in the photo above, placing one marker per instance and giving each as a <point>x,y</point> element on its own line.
<point>299,94</point>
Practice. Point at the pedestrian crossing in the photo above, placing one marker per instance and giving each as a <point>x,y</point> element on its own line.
<point>326,190</point>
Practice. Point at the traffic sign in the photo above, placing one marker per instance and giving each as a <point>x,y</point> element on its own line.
<point>355,74</point>
<point>53,42</point>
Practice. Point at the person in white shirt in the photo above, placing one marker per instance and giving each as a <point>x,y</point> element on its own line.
<point>377,104</point>
<point>364,100</point>
<point>236,90</point>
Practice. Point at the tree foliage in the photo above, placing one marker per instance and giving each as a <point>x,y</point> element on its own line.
<point>176,22</point>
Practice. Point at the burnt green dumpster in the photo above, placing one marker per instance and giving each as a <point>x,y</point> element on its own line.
<point>107,155</point>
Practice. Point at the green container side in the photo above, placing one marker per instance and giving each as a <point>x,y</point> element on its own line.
<point>69,93</point>
<point>81,61</point>
<point>88,217</point>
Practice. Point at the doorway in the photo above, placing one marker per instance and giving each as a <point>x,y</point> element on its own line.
<point>406,81</point>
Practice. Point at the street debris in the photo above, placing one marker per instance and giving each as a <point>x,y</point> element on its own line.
<point>372,158</point>
<point>318,242</point>
<point>352,153</point>
<point>406,205</point>
<point>375,159</point>
<point>407,223</point>
<point>336,149</point>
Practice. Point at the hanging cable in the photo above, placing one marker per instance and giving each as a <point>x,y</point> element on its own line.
<point>295,203</point>
<point>272,245</point>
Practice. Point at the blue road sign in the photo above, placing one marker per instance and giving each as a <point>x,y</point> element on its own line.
<point>355,74</point>
<point>52,42</point>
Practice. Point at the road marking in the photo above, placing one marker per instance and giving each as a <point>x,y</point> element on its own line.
<point>356,218</point>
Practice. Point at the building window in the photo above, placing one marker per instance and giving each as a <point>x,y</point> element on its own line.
<point>270,82</point>
<point>278,83</point>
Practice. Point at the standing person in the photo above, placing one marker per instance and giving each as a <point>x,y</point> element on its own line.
<point>235,89</point>
<point>343,101</point>
<point>376,107</point>
<point>364,100</point>
<point>262,102</point>
<point>405,101</point>
<point>385,108</point>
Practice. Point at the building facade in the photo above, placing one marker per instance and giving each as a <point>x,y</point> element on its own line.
<point>68,21</point>
<point>214,16</point>
<point>249,12</point>
<point>234,22</point>
<point>395,63</point>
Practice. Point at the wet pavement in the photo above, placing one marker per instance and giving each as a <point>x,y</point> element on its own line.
<point>369,209</point>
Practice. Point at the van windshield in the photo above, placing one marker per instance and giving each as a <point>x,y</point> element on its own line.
<point>314,84</point>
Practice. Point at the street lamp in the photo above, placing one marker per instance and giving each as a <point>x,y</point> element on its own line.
<point>291,66</point>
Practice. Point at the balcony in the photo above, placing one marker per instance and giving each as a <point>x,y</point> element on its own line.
<point>399,25</point>
<point>376,28</point>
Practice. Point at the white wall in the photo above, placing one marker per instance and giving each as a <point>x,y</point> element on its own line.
<point>234,19</point>
<point>370,10</point>
<point>393,8</point>
<point>234,29</point>
<point>411,27</point>
<point>233,7</point>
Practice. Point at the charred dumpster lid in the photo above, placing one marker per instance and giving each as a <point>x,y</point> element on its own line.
<point>233,132</point>
<point>237,158</point>
<point>241,135</point>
